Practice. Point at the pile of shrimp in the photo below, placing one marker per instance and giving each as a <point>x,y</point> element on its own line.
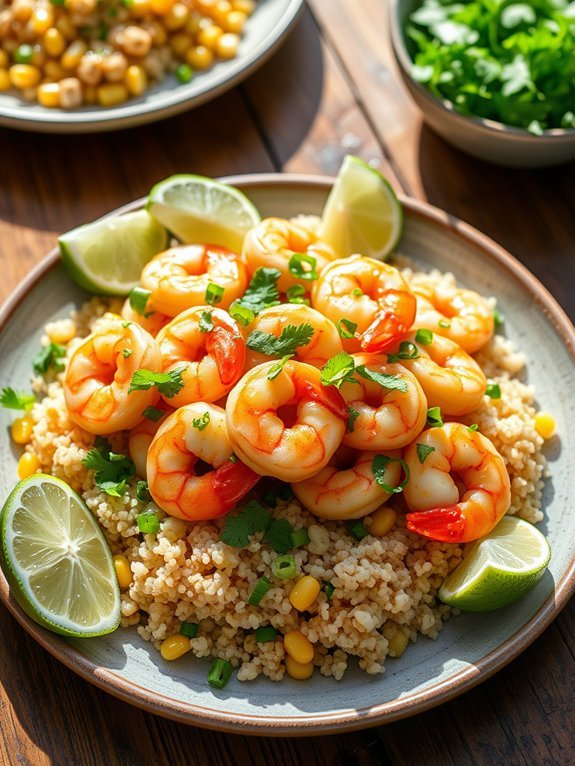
<point>346,445</point>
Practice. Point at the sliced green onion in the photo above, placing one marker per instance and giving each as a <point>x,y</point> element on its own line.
<point>260,589</point>
<point>214,294</point>
<point>434,417</point>
<point>444,323</point>
<point>241,314</point>
<point>184,73</point>
<point>357,292</point>
<point>299,538</point>
<point>284,567</point>
<point>346,328</point>
<point>189,629</point>
<point>493,391</point>
<point>498,318</point>
<point>357,529</point>
<point>297,268</point>
<point>378,467</point>
<point>139,298</point>
<point>148,522</point>
<point>220,673</point>
<point>473,427</point>
<point>329,589</point>
<point>296,294</point>
<point>265,633</point>
<point>424,337</point>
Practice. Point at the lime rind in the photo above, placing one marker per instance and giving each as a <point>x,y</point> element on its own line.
<point>60,572</point>
<point>198,209</point>
<point>362,213</point>
<point>498,569</point>
<point>107,256</point>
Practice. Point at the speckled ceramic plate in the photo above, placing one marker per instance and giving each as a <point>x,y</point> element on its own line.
<point>264,31</point>
<point>471,647</point>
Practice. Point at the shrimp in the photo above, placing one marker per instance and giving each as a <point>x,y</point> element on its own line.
<point>461,315</point>
<point>188,439</point>
<point>285,424</point>
<point>346,487</point>
<point>152,321</point>
<point>141,437</point>
<point>208,347</point>
<point>324,343</point>
<point>179,277</point>
<point>372,295</point>
<point>450,378</point>
<point>274,242</point>
<point>387,418</point>
<point>456,457</point>
<point>98,376</point>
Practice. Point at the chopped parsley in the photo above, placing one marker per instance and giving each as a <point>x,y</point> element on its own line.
<point>168,383</point>
<point>16,400</point>
<point>201,422</point>
<point>112,470</point>
<point>378,467</point>
<point>423,452</point>
<point>214,294</point>
<point>49,356</point>
<point>289,340</point>
<point>139,298</point>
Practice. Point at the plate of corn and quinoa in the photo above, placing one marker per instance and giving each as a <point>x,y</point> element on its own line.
<point>81,66</point>
<point>219,609</point>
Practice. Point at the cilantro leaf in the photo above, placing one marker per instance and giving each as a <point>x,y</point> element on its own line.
<point>16,400</point>
<point>111,469</point>
<point>168,383</point>
<point>392,382</point>
<point>278,535</point>
<point>49,356</point>
<point>238,529</point>
<point>153,414</point>
<point>289,340</point>
<point>338,370</point>
<point>353,415</point>
<point>201,422</point>
<point>262,291</point>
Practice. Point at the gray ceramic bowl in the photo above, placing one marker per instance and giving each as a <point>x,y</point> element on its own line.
<point>471,647</point>
<point>487,139</point>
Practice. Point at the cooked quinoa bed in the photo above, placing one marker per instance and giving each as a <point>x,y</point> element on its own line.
<point>384,587</point>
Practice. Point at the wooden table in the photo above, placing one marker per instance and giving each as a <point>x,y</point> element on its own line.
<point>330,90</point>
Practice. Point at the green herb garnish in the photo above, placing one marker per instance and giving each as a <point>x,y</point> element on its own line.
<point>168,383</point>
<point>139,298</point>
<point>214,294</point>
<point>201,422</point>
<point>423,451</point>
<point>206,323</point>
<point>378,467</point>
<point>493,391</point>
<point>16,400</point>
<point>289,340</point>
<point>296,294</point>
<point>112,470</point>
<point>153,414</point>
<point>303,266</point>
<point>142,492</point>
<point>424,336</point>
<point>407,350</point>
<point>276,368</point>
<point>49,356</point>
<point>278,535</point>
<point>434,417</point>
<point>262,292</point>
<point>346,328</point>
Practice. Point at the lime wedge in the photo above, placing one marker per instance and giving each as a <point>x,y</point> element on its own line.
<point>499,568</point>
<point>57,561</point>
<point>362,214</point>
<point>108,255</point>
<point>200,210</point>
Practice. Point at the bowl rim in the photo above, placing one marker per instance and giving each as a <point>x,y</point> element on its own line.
<point>306,724</point>
<point>405,62</point>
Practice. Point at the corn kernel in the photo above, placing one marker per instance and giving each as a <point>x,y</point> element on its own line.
<point>123,571</point>
<point>545,424</point>
<point>49,95</point>
<point>90,95</point>
<point>246,6</point>
<point>234,22</point>
<point>5,83</point>
<point>65,26</point>
<point>297,670</point>
<point>24,76</point>
<point>176,17</point>
<point>174,647</point>
<point>193,23</point>
<point>398,643</point>
<point>42,19</point>
<point>200,57</point>
<point>4,61</point>
<point>298,647</point>
<point>22,10</point>
<point>180,44</point>
<point>27,465</point>
<point>209,36</point>
<point>112,94</point>
<point>227,46</point>
<point>55,71</point>
<point>73,54</point>
<point>21,429</point>
<point>61,331</point>
<point>136,80</point>
<point>158,32</point>
<point>161,7</point>
<point>304,593</point>
<point>382,521</point>
<point>140,8</point>
<point>54,42</point>
<point>221,10</point>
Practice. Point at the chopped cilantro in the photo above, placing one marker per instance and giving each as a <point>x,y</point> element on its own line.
<point>238,529</point>
<point>392,382</point>
<point>289,340</point>
<point>112,469</point>
<point>262,291</point>
<point>168,383</point>
<point>153,414</point>
<point>423,451</point>
<point>357,292</point>
<point>498,318</point>
<point>201,422</point>
<point>353,415</point>
<point>16,400</point>
<point>338,370</point>
<point>473,427</point>
<point>278,535</point>
<point>241,314</point>
<point>49,356</point>
<point>407,350</point>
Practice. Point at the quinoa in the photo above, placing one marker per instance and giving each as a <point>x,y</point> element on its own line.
<point>381,586</point>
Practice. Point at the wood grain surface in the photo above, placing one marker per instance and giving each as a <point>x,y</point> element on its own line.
<point>330,90</point>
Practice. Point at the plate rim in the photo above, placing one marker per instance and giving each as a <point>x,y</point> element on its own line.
<point>141,113</point>
<point>307,724</point>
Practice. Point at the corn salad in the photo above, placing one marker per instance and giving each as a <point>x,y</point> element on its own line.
<point>69,53</point>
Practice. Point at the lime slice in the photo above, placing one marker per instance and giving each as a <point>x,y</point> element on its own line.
<point>108,255</point>
<point>362,214</point>
<point>203,211</point>
<point>57,561</point>
<point>499,568</point>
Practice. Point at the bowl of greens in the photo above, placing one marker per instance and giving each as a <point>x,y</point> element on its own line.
<point>495,78</point>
